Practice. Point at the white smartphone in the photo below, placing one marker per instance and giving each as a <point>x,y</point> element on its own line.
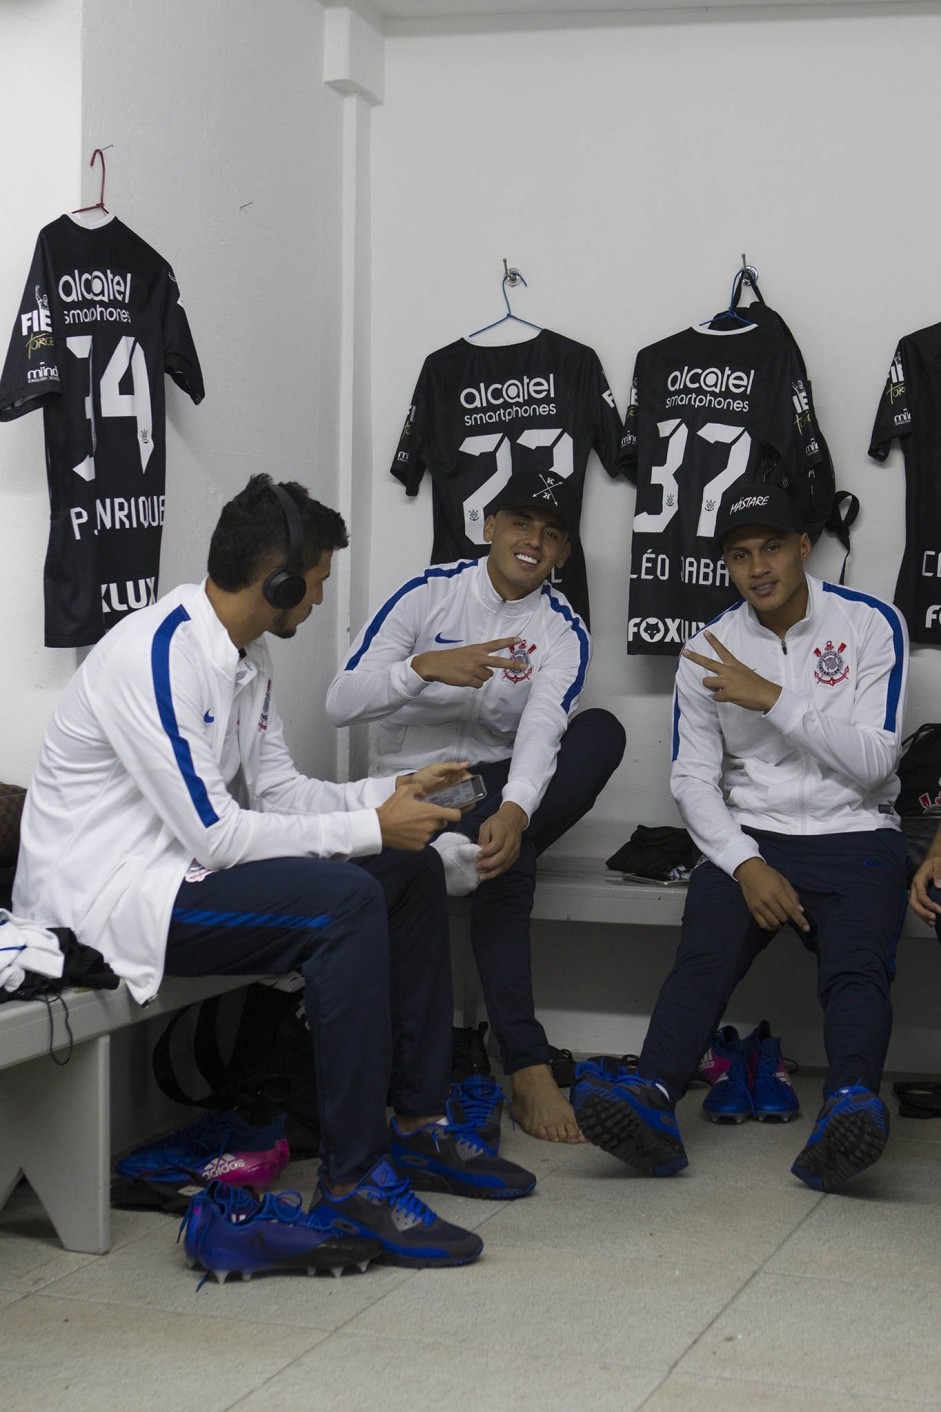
<point>461,795</point>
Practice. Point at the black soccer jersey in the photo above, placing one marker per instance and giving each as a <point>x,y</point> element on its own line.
<point>100,323</point>
<point>480,413</point>
<point>910,408</point>
<point>708,407</point>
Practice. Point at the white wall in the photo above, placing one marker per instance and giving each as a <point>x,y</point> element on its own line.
<point>213,107</point>
<point>40,112</point>
<point>624,167</point>
<point>205,109</point>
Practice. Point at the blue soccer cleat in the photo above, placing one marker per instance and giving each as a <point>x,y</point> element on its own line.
<point>850,1133</point>
<point>773,1094</point>
<point>219,1145</point>
<point>383,1207</point>
<point>730,1098</point>
<point>226,1231</point>
<point>717,1059</point>
<point>630,1117</point>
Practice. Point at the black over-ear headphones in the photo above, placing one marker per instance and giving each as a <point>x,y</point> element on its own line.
<point>286,587</point>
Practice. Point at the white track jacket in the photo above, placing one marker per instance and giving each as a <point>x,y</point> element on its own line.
<point>132,785</point>
<point>519,714</point>
<point>823,759</point>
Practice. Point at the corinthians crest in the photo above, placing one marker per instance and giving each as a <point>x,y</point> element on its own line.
<point>522,668</point>
<point>831,668</point>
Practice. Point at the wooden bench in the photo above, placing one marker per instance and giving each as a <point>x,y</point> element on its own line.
<point>583,890</point>
<point>55,1118</point>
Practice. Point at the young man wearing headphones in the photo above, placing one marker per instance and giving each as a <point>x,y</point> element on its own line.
<point>167,825</point>
<point>486,660</point>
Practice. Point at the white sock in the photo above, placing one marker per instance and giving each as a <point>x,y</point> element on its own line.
<point>459,856</point>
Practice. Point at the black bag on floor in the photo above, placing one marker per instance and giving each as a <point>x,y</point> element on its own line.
<point>270,1070</point>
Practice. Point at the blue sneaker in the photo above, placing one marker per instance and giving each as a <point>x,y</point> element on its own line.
<point>226,1231</point>
<point>773,1094</point>
<point>452,1157</point>
<point>383,1207</point>
<point>730,1099</point>
<point>218,1145</point>
<point>630,1117</point>
<point>479,1101</point>
<point>850,1134</point>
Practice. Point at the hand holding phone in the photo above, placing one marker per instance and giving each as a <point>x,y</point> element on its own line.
<point>459,796</point>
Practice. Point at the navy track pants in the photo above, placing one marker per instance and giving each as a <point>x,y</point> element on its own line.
<point>370,938</point>
<point>589,753</point>
<point>853,890</point>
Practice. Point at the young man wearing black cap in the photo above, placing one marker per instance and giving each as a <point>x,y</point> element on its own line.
<point>484,657</point>
<point>787,723</point>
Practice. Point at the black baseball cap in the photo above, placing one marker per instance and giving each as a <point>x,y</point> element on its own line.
<point>757,505</point>
<point>542,490</point>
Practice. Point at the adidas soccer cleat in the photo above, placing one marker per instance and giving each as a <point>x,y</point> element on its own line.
<point>226,1231</point>
<point>717,1059</point>
<point>478,1101</point>
<point>773,1094</point>
<point>630,1117</point>
<point>730,1098</point>
<point>452,1157</point>
<point>850,1134</point>
<point>221,1146</point>
<point>383,1207</point>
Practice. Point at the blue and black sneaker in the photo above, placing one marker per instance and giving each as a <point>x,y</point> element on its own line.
<point>850,1133</point>
<point>730,1098</point>
<point>479,1101</point>
<point>452,1157</point>
<point>773,1094</point>
<point>630,1117</point>
<point>383,1207</point>
<point>226,1231</point>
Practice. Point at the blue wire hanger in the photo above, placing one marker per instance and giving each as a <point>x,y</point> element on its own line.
<point>511,277</point>
<point>746,275</point>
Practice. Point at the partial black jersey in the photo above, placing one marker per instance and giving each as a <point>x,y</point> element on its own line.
<point>910,408</point>
<point>478,414</point>
<point>100,323</point>
<point>708,407</point>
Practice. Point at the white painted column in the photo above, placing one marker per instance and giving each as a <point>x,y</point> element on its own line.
<point>354,64</point>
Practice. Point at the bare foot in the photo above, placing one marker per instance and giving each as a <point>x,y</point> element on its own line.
<point>540,1108</point>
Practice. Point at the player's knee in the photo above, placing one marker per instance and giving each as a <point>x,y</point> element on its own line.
<point>602,736</point>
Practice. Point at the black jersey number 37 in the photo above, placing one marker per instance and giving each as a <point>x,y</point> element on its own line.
<point>676,434</point>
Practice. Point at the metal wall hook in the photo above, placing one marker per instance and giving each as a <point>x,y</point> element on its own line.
<point>511,276</point>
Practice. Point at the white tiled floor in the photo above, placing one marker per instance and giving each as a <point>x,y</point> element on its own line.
<point>728,1287</point>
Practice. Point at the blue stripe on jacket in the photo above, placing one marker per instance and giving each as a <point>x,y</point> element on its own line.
<point>160,670</point>
<point>575,623</point>
<point>894,693</point>
<point>380,617</point>
<point>733,608</point>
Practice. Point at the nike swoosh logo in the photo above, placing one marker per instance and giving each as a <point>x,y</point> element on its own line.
<point>209,718</point>
<point>447,641</point>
